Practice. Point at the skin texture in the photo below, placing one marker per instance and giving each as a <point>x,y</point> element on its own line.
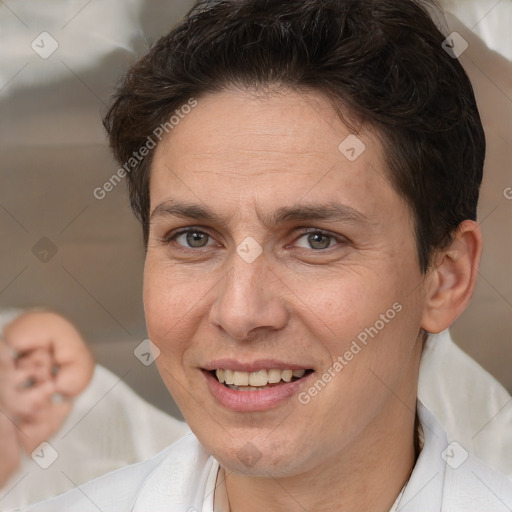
<point>244,155</point>
<point>50,359</point>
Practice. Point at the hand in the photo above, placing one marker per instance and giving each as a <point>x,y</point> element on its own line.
<point>10,446</point>
<point>49,365</point>
<point>57,337</point>
<point>26,384</point>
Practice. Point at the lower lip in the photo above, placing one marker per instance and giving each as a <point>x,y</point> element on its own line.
<point>246,401</point>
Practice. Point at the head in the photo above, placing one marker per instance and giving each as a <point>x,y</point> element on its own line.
<point>325,157</point>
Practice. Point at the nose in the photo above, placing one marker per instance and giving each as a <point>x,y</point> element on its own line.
<point>250,300</point>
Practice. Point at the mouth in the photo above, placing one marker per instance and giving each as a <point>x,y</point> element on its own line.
<point>257,385</point>
<point>260,380</point>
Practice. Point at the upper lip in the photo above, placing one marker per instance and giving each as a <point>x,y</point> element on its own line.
<point>253,366</point>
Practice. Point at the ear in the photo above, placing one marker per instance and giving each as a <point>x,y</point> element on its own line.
<point>451,282</point>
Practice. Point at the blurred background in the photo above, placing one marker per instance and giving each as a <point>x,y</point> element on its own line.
<point>67,250</point>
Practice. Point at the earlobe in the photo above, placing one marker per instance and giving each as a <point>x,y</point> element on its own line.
<point>451,282</point>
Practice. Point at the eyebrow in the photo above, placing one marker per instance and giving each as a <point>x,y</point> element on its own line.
<point>330,211</point>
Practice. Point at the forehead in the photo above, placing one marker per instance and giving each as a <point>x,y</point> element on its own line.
<point>273,149</point>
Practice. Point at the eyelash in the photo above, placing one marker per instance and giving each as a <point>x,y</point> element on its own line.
<point>173,236</point>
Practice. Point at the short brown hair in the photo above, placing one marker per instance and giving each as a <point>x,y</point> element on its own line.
<point>382,60</point>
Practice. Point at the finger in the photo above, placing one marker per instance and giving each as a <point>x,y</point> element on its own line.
<point>38,364</point>
<point>36,357</point>
<point>28,332</point>
<point>70,352</point>
<point>44,425</point>
<point>32,378</point>
<point>17,379</point>
<point>27,378</point>
<point>27,403</point>
<point>7,354</point>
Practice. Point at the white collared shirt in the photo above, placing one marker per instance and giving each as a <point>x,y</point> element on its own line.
<point>182,479</point>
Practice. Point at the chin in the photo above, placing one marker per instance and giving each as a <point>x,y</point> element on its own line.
<point>257,459</point>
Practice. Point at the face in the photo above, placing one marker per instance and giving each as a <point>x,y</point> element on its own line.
<point>272,248</point>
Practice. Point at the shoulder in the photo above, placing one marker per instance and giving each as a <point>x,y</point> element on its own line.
<point>119,490</point>
<point>474,486</point>
<point>471,405</point>
<point>447,477</point>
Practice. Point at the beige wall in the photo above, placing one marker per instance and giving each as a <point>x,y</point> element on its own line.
<point>484,330</point>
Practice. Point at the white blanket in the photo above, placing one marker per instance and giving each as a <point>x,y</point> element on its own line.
<point>109,427</point>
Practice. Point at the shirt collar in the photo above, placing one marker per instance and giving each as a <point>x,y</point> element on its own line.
<point>423,491</point>
<point>185,480</point>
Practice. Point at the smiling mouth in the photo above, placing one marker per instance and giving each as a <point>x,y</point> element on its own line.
<point>259,380</point>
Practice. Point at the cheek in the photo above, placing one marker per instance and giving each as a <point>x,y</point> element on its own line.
<point>341,301</point>
<point>373,304</point>
<point>173,303</point>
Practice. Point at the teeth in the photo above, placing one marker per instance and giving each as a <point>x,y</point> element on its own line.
<point>287,375</point>
<point>241,379</point>
<point>274,376</point>
<point>229,377</point>
<point>258,379</point>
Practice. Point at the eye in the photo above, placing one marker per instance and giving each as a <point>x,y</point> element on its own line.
<point>191,238</point>
<point>317,240</point>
